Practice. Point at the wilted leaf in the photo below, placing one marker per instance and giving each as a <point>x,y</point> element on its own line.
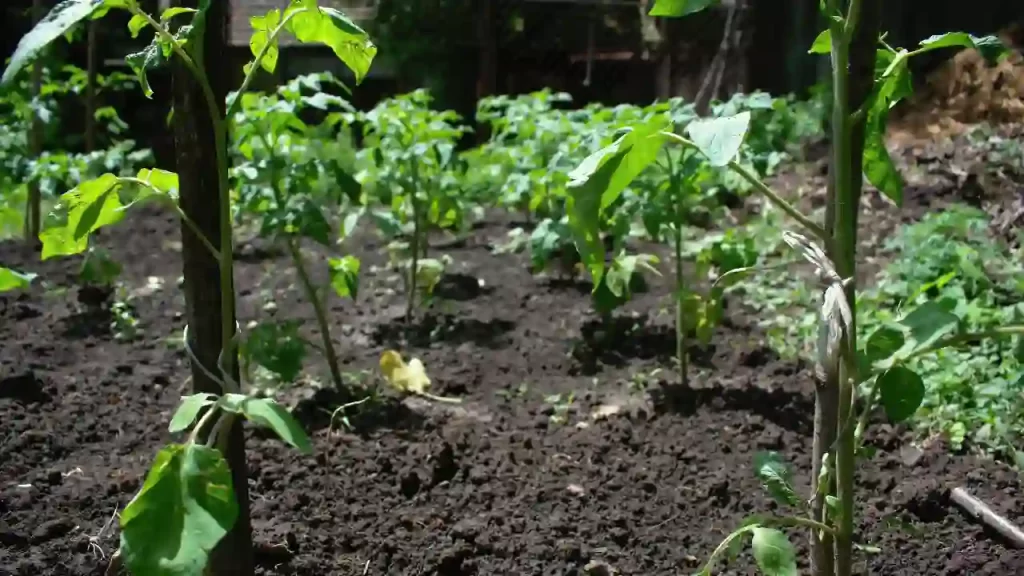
<point>184,508</point>
<point>410,378</point>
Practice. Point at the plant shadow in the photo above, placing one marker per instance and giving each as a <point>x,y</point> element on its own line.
<point>322,410</point>
<point>460,288</point>
<point>622,338</point>
<point>788,408</point>
<point>431,328</point>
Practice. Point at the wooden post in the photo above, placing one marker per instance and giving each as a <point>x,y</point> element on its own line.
<point>33,208</point>
<point>90,87</point>
<point>198,173</point>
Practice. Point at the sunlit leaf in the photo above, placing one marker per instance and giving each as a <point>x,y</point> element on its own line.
<point>598,182</point>
<point>188,410</point>
<point>61,19</point>
<point>91,205</point>
<point>325,25</point>
<point>990,47</point>
<point>344,274</point>
<point>262,29</point>
<point>822,44</point>
<point>14,280</point>
<point>162,180</point>
<point>269,414</point>
<point>175,11</point>
<point>720,138</point>
<point>185,507</point>
<point>901,392</point>
<point>677,8</point>
<point>137,24</point>
<point>773,552</point>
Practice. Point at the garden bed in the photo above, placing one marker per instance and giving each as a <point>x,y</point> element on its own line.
<point>630,477</point>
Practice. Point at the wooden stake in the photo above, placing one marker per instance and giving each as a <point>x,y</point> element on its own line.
<point>980,511</point>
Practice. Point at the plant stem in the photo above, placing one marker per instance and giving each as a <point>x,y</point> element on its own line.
<point>765,190</point>
<point>957,339</point>
<point>318,310</point>
<point>414,267</point>
<point>676,188</point>
<point>843,254</point>
<point>680,320</point>
<point>219,125</point>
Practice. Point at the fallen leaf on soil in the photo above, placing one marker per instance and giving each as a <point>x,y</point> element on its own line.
<point>411,378</point>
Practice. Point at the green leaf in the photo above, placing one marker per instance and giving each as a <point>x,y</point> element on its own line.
<point>175,11</point>
<point>185,507</point>
<point>188,410</point>
<point>598,182</point>
<point>929,322</point>
<point>13,280</point>
<point>99,269</point>
<point>277,347</point>
<point>137,24</point>
<point>773,552</point>
<point>163,181</point>
<point>267,413</point>
<point>60,20</point>
<point>677,8</point>
<point>344,274</point>
<point>902,392</point>
<point>990,47</point>
<point>143,61</point>
<point>882,344</point>
<point>776,478</point>
<point>262,28</point>
<point>91,205</point>
<point>720,138</point>
<point>892,86</point>
<point>328,26</point>
<point>822,44</point>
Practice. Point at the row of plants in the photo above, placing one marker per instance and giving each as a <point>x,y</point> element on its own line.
<point>587,182</point>
<point>857,370</point>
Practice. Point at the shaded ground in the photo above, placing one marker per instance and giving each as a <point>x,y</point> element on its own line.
<point>498,485</point>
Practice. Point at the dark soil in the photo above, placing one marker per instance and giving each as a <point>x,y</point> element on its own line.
<point>635,477</point>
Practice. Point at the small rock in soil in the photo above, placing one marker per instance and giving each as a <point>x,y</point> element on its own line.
<point>52,529</point>
<point>24,387</point>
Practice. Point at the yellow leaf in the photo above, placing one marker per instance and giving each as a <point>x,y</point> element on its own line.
<point>411,378</point>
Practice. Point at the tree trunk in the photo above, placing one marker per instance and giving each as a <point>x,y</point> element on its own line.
<point>33,209</point>
<point>198,173</point>
<point>90,88</point>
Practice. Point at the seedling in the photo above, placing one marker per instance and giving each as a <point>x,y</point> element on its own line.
<point>287,189</point>
<point>190,484</point>
<point>832,251</point>
<point>414,171</point>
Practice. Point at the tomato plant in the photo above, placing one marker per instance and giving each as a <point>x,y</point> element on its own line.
<point>295,192</point>
<point>413,172</point>
<point>189,487</point>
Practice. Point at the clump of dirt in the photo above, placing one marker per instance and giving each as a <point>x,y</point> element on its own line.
<point>968,90</point>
